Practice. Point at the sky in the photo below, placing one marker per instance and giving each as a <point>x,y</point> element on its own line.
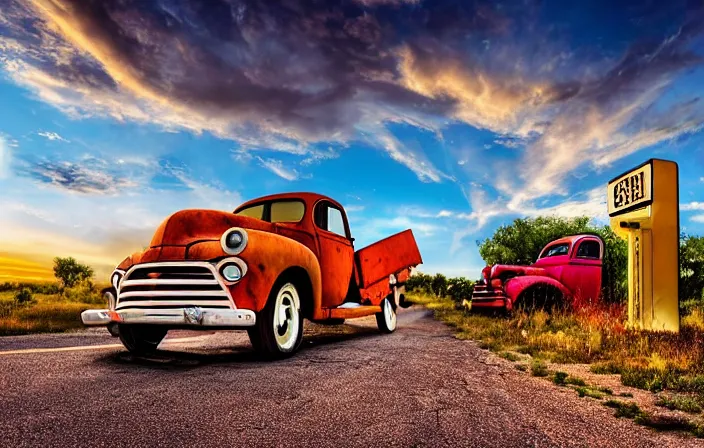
<point>450,118</point>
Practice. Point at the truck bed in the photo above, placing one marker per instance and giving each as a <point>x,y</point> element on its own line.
<point>388,256</point>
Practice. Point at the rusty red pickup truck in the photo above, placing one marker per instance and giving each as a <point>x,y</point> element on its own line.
<point>265,267</point>
<point>567,272</point>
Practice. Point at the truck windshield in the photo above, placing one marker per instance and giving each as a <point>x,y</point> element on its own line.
<point>556,249</point>
<point>278,211</point>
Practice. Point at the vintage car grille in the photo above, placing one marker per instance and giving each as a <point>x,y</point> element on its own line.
<point>482,291</point>
<point>172,285</point>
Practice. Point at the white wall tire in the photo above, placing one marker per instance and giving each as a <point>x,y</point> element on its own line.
<point>279,329</point>
<point>386,319</point>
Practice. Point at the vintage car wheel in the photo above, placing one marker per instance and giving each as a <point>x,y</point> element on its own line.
<point>141,339</point>
<point>279,329</point>
<point>386,319</point>
<point>540,297</point>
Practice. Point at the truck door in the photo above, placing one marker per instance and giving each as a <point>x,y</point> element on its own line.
<point>583,274</point>
<point>336,252</point>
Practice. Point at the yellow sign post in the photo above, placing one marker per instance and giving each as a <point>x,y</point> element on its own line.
<point>643,207</point>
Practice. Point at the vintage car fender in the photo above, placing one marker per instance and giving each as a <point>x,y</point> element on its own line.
<point>515,286</point>
<point>267,256</point>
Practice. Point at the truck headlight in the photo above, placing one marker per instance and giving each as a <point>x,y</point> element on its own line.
<point>234,240</point>
<point>232,269</point>
<point>231,272</point>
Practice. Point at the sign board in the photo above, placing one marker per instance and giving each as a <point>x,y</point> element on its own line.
<point>631,191</point>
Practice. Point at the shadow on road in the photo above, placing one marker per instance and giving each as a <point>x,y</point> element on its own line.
<point>314,336</point>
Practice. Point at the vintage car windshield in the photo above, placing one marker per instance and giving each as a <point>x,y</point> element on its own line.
<point>277,211</point>
<point>556,249</point>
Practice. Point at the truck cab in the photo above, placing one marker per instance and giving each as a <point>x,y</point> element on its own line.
<point>265,267</point>
<point>566,273</point>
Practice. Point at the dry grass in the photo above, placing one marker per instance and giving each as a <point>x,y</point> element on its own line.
<point>654,361</point>
<point>47,312</point>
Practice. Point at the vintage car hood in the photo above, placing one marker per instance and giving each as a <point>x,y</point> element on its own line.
<point>187,226</point>
<point>499,269</point>
<point>190,226</point>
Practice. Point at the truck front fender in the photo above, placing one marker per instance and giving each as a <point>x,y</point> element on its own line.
<point>515,286</point>
<point>268,255</point>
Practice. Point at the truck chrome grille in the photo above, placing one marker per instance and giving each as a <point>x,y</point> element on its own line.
<point>172,285</point>
<point>482,291</point>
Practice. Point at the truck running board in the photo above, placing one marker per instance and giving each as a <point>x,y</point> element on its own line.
<point>351,313</point>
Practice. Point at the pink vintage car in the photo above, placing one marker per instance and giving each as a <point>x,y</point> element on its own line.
<point>567,272</point>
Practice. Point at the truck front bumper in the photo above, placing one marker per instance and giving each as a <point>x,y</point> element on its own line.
<point>188,316</point>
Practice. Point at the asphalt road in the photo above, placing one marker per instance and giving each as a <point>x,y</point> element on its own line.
<point>349,386</point>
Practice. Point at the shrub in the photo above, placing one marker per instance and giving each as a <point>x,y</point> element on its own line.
<point>460,288</point>
<point>691,268</point>
<point>23,296</point>
<point>559,378</point>
<point>84,292</point>
<point>439,285</point>
<point>681,403</point>
<point>623,409</point>
<point>509,356</point>
<point>538,368</point>
<point>575,381</point>
<point>583,391</point>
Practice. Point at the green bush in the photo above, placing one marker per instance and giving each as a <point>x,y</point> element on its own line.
<point>559,378</point>
<point>458,288</point>
<point>23,296</point>
<point>692,268</point>
<point>623,409</point>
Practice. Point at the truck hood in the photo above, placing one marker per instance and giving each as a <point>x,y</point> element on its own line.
<point>188,226</point>
<point>499,269</point>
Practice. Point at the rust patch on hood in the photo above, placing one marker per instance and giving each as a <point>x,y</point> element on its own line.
<point>188,226</point>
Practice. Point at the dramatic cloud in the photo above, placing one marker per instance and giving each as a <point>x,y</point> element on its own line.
<point>78,178</point>
<point>297,76</point>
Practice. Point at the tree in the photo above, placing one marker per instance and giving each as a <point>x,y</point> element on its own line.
<point>70,272</point>
<point>691,268</point>
<point>521,242</point>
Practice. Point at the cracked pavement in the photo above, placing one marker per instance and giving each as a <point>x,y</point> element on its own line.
<point>348,386</point>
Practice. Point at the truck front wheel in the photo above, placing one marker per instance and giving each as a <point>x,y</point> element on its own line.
<point>279,329</point>
<point>141,339</point>
<point>386,319</point>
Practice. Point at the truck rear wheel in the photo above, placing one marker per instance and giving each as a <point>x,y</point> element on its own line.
<point>279,329</point>
<point>386,319</point>
<point>141,339</point>
<point>540,297</point>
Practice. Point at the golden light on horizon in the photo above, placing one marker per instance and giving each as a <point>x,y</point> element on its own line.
<point>16,268</point>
